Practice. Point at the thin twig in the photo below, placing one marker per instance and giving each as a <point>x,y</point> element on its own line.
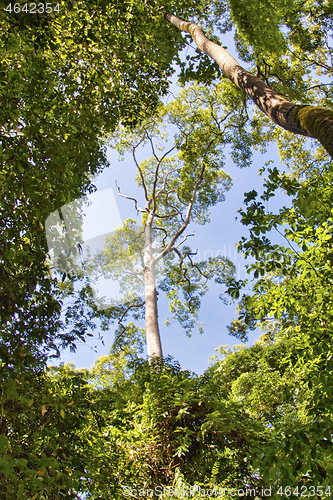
<point>164,230</point>
<point>132,306</point>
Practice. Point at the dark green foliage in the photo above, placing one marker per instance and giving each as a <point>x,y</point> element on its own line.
<point>261,417</point>
<point>147,426</point>
<point>292,290</point>
<point>66,78</point>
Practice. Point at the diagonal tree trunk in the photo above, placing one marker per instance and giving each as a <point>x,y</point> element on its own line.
<point>311,121</point>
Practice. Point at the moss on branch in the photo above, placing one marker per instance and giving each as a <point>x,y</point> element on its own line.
<point>318,123</point>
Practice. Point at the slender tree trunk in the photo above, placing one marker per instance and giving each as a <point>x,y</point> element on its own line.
<point>154,347</point>
<point>310,121</point>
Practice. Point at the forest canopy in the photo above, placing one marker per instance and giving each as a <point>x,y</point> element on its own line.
<point>259,419</point>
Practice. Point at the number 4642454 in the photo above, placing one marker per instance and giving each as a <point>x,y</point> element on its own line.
<point>32,8</point>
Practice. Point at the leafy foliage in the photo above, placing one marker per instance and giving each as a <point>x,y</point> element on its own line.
<point>261,416</point>
<point>292,288</point>
<point>65,77</point>
<point>141,426</point>
<point>176,191</point>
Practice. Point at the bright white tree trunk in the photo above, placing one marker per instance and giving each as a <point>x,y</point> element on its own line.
<point>154,347</point>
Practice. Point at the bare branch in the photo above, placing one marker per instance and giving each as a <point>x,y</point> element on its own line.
<point>137,273</point>
<point>187,218</point>
<point>132,306</point>
<point>152,146</point>
<point>185,275</point>
<point>164,230</point>
<point>218,122</point>
<point>130,198</point>
<point>159,161</point>
<point>192,234</point>
<point>164,183</point>
<point>167,153</point>
<point>166,193</point>
<point>142,178</point>
<point>173,214</point>
<point>198,268</point>
<point>168,204</point>
<point>175,249</point>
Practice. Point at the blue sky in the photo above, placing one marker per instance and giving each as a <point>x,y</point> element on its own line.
<point>217,238</point>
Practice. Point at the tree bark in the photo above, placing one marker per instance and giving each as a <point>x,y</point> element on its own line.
<point>153,339</point>
<point>310,121</point>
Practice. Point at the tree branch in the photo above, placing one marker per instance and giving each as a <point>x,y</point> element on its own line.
<point>141,176</point>
<point>159,161</point>
<point>130,198</point>
<point>187,218</point>
<point>276,107</point>
<point>167,216</point>
<point>132,306</point>
<point>165,232</point>
<point>310,121</point>
<point>164,184</point>
<point>198,268</point>
<point>175,249</point>
<point>185,238</point>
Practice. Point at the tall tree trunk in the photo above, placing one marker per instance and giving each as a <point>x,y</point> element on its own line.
<point>310,121</point>
<point>154,347</point>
